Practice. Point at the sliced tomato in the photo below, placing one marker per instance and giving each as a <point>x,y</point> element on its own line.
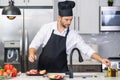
<point>59,77</point>
<point>32,71</point>
<point>62,76</point>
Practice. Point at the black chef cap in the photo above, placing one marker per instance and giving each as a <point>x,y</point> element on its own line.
<point>65,8</point>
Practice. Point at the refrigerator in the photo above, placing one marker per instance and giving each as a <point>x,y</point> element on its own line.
<point>17,34</point>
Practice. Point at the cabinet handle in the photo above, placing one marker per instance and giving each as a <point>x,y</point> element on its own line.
<point>74,23</point>
<point>28,1</point>
<point>24,1</point>
<point>78,23</point>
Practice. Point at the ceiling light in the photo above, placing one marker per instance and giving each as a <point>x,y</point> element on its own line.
<point>11,9</point>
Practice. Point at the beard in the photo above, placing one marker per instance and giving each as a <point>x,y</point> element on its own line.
<point>63,25</point>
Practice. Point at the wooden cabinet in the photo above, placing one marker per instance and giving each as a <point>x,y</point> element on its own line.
<point>86,16</point>
<point>28,2</point>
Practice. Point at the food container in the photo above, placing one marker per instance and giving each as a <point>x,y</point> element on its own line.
<point>5,77</point>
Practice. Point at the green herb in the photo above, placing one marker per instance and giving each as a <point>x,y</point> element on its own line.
<point>0,67</point>
<point>110,0</point>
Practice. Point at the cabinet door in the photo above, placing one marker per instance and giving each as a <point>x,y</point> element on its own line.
<point>88,16</point>
<point>40,2</point>
<point>4,2</point>
<point>28,2</point>
<point>16,2</point>
<point>74,24</point>
<point>103,3</point>
<point>20,2</point>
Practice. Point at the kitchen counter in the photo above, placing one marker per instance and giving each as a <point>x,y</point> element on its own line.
<point>77,76</point>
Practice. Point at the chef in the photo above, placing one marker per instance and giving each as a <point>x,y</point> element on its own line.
<point>57,41</point>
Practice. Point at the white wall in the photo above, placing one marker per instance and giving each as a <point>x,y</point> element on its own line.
<point>104,3</point>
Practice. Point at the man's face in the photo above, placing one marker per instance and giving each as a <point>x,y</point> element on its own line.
<point>65,21</point>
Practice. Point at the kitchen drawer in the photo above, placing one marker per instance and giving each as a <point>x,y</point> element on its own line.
<point>12,44</point>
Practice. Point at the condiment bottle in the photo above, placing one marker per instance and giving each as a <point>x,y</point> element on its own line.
<point>109,70</point>
<point>114,72</point>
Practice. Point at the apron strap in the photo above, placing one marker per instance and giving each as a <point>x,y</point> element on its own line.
<point>67,32</point>
<point>52,31</point>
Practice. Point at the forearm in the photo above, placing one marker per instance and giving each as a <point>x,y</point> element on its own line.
<point>32,51</point>
<point>97,57</point>
<point>101,59</point>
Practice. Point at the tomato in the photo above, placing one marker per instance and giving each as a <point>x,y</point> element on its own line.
<point>9,71</point>
<point>1,72</point>
<point>8,66</point>
<point>14,70</point>
<point>5,74</point>
<point>14,74</point>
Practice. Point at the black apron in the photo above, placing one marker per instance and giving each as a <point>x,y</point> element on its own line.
<point>53,57</point>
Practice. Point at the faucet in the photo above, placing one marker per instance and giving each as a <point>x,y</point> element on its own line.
<point>70,73</point>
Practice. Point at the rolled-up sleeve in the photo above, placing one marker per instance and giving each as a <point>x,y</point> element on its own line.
<point>38,39</point>
<point>84,48</point>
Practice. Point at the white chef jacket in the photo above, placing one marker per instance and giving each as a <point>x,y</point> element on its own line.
<point>74,40</point>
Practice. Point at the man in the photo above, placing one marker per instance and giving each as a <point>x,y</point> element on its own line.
<point>58,40</point>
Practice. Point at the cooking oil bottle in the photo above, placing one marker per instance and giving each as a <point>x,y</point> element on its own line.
<point>113,71</point>
<point>109,71</point>
<point>116,72</point>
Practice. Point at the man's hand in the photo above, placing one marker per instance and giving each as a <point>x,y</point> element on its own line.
<point>106,62</point>
<point>32,55</point>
